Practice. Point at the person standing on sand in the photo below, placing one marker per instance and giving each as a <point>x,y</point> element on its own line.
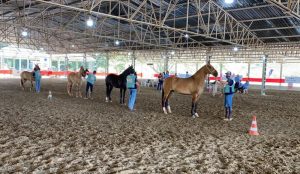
<point>132,86</point>
<point>37,78</point>
<point>160,81</point>
<point>228,93</point>
<point>91,79</point>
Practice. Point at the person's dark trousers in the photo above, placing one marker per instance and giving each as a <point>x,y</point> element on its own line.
<point>88,86</point>
<point>159,85</point>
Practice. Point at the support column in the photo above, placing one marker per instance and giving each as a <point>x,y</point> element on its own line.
<point>264,75</point>
<point>176,67</point>
<point>281,66</point>
<point>66,64</point>
<point>27,63</point>
<point>1,60</point>
<point>58,64</point>
<point>249,66</point>
<point>84,61</point>
<point>50,62</point>
<point>221,70</point>
<point>208,58</point>
<point>107,64</point>
<point>133,58</point>
<point>166,62</point>
<point>20,64</point>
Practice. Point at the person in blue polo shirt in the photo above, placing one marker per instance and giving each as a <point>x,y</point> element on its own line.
<point>90,81</point>
<point>228,93</point>
<point>132,86</point>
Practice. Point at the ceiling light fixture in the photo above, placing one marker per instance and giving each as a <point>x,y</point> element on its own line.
<point>229,1</point>
<point>90,22</point>
<point>24,33</point>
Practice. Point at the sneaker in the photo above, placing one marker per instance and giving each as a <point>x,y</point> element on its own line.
<point>230,119</point>
<point>225,119</point>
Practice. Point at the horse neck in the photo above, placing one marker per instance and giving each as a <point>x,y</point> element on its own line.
<point>124,74</point>
<point>200,75</point>
<point>79,74</point>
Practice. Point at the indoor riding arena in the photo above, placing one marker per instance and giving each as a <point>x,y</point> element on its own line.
<point>211,86</point>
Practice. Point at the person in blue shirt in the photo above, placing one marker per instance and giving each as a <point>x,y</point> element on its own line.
<point>245,87</point>
<point>132,86</point>
<point>91,79</point>
<point>187,74</point>
<point>237,84</point>
<point>37,78</point>
<point>166,75</point>
<point>228,93</point>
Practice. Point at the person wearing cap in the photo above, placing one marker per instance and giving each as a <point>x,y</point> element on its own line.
<point>228,93</point>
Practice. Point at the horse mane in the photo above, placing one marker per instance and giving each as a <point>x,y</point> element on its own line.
<point>125,72</point>
<point>199,71</point>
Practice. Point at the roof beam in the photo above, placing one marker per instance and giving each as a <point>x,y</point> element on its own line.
<point>232,25</point>
<point>291,7</point>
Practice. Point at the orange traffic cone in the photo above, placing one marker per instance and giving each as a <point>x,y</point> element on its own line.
<point>253,129</point>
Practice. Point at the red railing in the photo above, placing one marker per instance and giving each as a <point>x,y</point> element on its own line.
<point>60,73</point>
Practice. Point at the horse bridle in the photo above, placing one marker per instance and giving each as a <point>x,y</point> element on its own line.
<point>211,72</point>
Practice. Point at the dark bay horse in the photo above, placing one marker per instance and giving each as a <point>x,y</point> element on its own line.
<point>118,81</point>
<point>75,78</point>
<point>193,85</point>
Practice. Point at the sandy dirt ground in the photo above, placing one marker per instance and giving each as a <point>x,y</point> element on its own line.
<point>73,135</point>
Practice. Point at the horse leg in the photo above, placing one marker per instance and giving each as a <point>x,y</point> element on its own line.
<point>196,106</point>
<point>165,95</point>
<point>167,102</point>
<point>107,92</point>
<point>31,85</point>
<point>110,89</point>
<point>194,103</point>
<point>124,93</point>
<point>79,89</point>
<point>22,84</point>
<point>121,96</point>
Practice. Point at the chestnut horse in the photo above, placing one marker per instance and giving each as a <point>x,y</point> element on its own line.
<point>26,75</point>
<point>193,85</point>
<point>75,78</point>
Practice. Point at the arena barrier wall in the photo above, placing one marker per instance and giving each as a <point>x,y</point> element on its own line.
<point>60,73</point>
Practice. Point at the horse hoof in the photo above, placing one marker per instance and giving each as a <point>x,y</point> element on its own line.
<point>169,110</point>
<point>165,111</point>
<point>196,114</point>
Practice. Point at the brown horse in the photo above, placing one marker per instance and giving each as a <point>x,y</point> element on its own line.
<point>193,85</point>
<point>75,78</point>
<point>25,75</point>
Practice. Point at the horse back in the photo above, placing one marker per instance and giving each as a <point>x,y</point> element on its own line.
<point>115,81</point>
<point>25,75</point>
<point>73,77</point>
<point>182,85</point>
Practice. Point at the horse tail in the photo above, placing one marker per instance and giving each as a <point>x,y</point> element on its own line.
<point>21,83</point>
<point>107,88</point>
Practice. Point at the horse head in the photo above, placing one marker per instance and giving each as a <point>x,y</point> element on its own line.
<point>211,70</point>
<point>83,71</point>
